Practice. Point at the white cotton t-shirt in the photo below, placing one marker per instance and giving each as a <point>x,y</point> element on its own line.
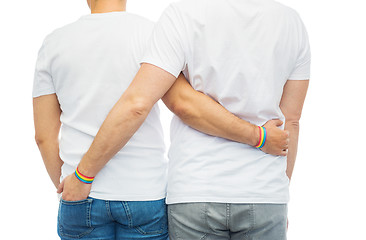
<point>240,53</point>
<point>89,64</point>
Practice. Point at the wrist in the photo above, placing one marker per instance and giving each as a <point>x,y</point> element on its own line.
<point>262,137</point>
<point>82,177</point>
<point>255,136</point>
<point>86,167</point>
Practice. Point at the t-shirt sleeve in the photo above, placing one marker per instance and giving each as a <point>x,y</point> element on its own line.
<point>301,70</point>
<point>42,84</point>
<point>166,45</point>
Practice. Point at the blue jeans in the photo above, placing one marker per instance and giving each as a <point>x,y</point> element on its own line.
<point>224,221</point>
<point>94,219</point>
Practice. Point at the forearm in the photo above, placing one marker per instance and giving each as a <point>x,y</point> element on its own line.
<point>47,125</point>
<point>213,119</point>
<point>52,161</point>
<point>291,105</point>
<point>202,113</point>
<point>119,126</point>
<point>293,128</point>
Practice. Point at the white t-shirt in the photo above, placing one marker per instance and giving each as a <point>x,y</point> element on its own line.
<point>89,64</point>
<point>240,53</point>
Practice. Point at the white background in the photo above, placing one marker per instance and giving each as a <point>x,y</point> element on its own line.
<point>328,186</point>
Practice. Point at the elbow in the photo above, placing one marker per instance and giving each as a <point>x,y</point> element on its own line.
<point>184,111</point>
<point>46,139</point>
<point>40,140</point>
<point>139,107</point>
<point>183,104</point>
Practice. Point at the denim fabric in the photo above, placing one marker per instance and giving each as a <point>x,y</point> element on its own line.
<point>222,221</point>
<point>94,219</point>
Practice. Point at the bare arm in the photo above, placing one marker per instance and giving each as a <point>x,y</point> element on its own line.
<point>47,124</point>
<point>201,112</point>
<point>292,102</point>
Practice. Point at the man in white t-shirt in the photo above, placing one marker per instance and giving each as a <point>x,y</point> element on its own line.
<point>81,71</point>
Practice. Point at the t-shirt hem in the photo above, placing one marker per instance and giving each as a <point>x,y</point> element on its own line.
<point>299,77</point>
<point>176,200</point>
<point>128,197</point>
<point>161,65</point>
<point>43,92</point>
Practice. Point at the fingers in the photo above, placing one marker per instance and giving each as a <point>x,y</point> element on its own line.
<point>60,187</point>
<point>284,152</point>
<point>274,122</point>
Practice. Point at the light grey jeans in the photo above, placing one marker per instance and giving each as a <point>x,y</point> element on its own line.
<point>222,221</point>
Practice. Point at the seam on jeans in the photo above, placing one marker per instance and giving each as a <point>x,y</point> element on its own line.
<point>108,208</point>
<point>205,210</point>
<point>252,220</point>
<point>142,232</point>
<point>228,215</point>
<point>253,217</point>
<point>73,203</point>
<point>128,214</point>
<point>89,209</point>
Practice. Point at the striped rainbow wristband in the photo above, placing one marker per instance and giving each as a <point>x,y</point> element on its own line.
<point>82,178</point>
<point>262,137</point>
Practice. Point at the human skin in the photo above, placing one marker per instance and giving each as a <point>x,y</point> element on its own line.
<point>47,127</point>
<point>293,97</point>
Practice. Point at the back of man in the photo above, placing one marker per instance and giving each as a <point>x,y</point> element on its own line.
<point>241,53</point>
<point>88,64</point>
<point>92,61</point>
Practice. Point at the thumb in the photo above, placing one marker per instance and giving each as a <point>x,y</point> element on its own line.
<point>277,122</point>
<point>60,187</point>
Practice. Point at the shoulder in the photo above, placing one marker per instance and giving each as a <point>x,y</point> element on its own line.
<point>141,22</point>
<point>187,12</point>
<point>58,33</point>
<point>141,28</point>
<point>286,11</point>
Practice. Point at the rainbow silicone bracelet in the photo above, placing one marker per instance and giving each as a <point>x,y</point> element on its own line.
<point>262,137</point>
<point>82,178</point>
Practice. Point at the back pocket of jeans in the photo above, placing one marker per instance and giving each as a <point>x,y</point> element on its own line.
<point>74,218</point>
<point>148,217</point>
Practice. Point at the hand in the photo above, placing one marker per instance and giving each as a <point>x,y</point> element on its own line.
<point>73,190</point>
<point>277,139</point>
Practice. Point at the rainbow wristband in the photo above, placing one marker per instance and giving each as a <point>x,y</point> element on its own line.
<point>82,178</point>
<point>262,137</point>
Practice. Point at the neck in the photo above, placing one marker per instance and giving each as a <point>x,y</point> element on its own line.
<point>105,6</point>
